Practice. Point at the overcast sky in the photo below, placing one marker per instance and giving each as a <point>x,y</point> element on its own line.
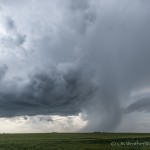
<point>74,65</point>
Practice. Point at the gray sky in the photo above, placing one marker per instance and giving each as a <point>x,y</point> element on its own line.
<point>83,62</point>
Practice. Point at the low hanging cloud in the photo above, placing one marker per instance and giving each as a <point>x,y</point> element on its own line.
<point>142,104</point>
<point>69,57</point>
<point>56,93</point>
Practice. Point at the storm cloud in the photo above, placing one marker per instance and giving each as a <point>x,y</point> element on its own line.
<point>55,93</point>
<point>67,57</point>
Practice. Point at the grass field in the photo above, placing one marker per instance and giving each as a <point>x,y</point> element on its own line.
<point>75,141</point>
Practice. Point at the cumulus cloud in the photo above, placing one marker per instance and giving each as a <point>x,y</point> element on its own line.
<point>67,57</point>
<point>41,124</point>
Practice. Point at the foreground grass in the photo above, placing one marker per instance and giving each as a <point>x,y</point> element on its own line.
<point>75,141</point>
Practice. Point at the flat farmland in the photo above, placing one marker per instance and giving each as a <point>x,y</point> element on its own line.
<point>75,141</point>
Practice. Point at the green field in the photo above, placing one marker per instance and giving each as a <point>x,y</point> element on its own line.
<point>75,141</point>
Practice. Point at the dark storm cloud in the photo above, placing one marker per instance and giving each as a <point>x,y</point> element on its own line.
<point>109,40</point>
<point>63,94</point>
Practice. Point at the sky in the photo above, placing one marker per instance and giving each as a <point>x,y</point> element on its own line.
<point>74,66</point>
